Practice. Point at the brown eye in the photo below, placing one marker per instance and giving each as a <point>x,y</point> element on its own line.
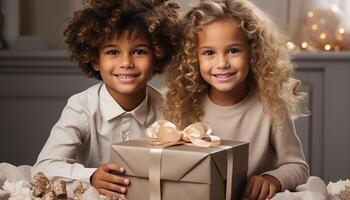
<point>233,51</point>
<point>112,52</point>
<point>208,53</point>
<point>140,52</point>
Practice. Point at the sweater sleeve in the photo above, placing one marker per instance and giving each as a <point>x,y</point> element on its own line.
<point>291,170</point>
<point>58,156</point>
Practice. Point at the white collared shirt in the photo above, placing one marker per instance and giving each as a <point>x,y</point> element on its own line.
<point>90,122</point>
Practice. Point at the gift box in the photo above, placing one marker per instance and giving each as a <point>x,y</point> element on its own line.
<point>185,172</point>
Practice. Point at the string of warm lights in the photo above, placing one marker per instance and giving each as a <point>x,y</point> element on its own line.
<point>323,30</point>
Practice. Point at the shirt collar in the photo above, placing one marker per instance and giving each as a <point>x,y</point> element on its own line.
<point>111,109</point>
<point>141,111</point>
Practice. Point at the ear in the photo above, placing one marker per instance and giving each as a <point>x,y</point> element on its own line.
<point>95,66</point>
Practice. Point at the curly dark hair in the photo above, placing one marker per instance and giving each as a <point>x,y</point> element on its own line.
<point>100,20</point>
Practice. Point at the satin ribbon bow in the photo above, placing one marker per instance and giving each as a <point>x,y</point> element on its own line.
<point>166,133</point>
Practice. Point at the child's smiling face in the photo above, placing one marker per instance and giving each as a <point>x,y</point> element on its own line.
<point>126,64</point>
<point>223,54</point>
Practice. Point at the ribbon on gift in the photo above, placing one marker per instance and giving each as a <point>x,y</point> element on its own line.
<point>165,134</point>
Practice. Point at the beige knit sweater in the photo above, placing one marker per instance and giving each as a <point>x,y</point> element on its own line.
<point>270,152</point>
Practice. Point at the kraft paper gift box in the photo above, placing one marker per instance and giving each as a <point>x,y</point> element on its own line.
<point>186,172</point>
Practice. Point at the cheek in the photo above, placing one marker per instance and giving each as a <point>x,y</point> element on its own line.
<point>201,68</point>
<point>147,66</point>
<point>204,66</point>
<point>244,66</point>
<point>107,62</point>
<point>244,72</point>
<point>201,61</point>
<point>241,64</point>
<point>204,71</point>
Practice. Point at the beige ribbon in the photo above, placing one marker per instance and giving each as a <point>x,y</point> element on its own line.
<point>229,172</point>
<point>165,134</point>
<point>154,174</point>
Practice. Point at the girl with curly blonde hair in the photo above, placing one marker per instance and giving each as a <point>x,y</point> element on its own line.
<point>122,43</point>
<point>234,72</point>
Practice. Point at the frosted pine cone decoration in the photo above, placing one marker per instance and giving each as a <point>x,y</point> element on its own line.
<point>341,189</point>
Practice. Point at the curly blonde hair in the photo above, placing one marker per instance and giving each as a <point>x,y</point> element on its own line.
<point>270,68</point>
<point>100,20</point>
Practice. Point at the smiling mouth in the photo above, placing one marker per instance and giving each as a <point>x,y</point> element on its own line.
<point>126,77</point>
<point>224,76</point>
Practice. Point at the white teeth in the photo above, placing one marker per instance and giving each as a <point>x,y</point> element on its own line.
<point>125,76</point>
<point>222,75</point>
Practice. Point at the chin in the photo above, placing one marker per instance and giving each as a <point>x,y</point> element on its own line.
<point>127,92</point>
<point>131,90</point>
<point>225,89</point>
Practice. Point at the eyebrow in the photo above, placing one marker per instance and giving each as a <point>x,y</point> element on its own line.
<point>143,45</point>
<point>108,46</point>
<point>135,46</point>
<point>228,46</point>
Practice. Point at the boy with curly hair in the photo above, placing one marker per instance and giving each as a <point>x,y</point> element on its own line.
<point>122,43</point>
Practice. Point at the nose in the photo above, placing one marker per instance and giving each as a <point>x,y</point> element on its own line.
<point>221,61</point>
<point>127,61</point>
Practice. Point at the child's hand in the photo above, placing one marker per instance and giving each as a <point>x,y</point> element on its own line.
<point>262,187</point>
<point>107,182</point>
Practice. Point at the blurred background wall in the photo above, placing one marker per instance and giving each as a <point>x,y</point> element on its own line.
<point>43,20</point>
